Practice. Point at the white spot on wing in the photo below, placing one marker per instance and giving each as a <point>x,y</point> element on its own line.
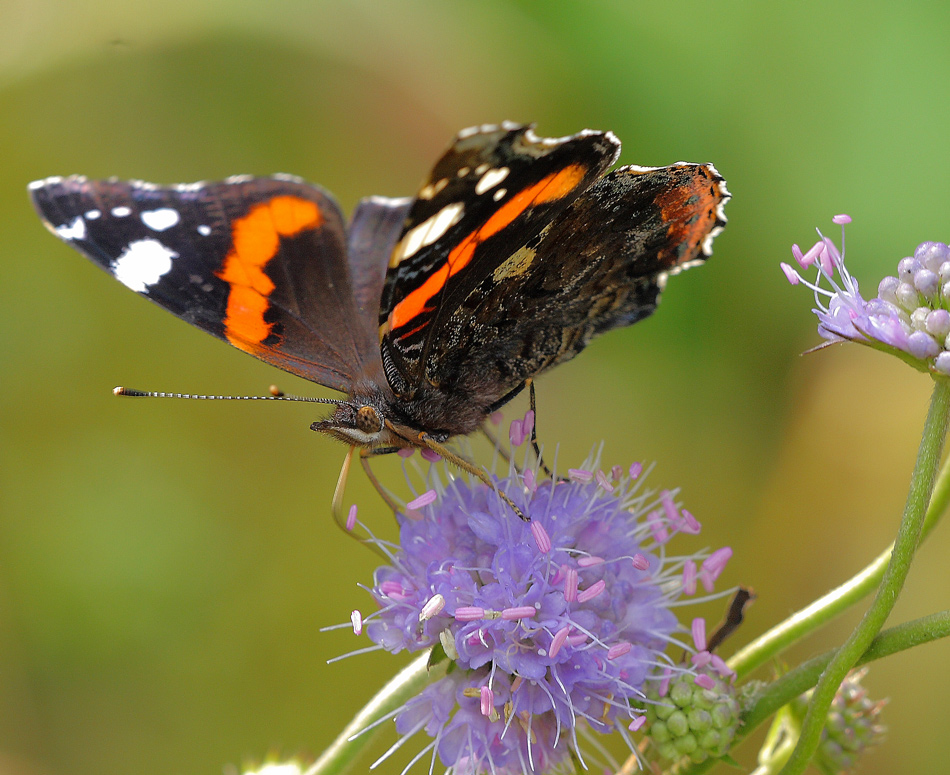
<point>74,230</point>
<point>203,230</point>
<point>499,194</point>
<point>429,231</point>
<point>143,263</point>
<point>91,215</point>
<point>161,219</point>
<point>121,211</point>
<point>491,179</point>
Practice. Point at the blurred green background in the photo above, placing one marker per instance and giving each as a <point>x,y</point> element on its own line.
<point>165,567</point>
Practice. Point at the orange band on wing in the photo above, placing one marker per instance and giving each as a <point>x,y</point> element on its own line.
<point>255,241</point>
<point>555,186</point>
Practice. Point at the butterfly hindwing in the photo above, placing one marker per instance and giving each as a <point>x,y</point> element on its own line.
<point>258,262</point>
<point>600,264</point>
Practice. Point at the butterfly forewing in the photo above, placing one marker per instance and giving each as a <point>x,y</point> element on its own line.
<point>258,262</point>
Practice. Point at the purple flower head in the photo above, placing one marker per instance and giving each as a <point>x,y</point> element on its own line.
<point>910,316</point>
<point>554,627</point>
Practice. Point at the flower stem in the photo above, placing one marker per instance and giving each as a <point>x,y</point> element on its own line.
<point>908,538</point>
<point>805,621</point>
<point>407,683</point>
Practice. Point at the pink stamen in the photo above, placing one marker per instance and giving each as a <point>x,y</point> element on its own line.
<point>570,585</point>
<point>469,613</point>
<point>618,650</point>
<point>415,516</point>
<point>579,475</point>
<point>487,701</point>
<point>841,219</point>
<point>356,619</point>
<point>659,531</point>
<point>530,481</point>
<point>433,606</point>
<point>638,722</point>
<point>813,252</point>
<point>664,686</point>
<point>587,562</point>
<point>351,518</point>
<point>603,482</point>
<point>558,641</point>
<point>701,658</point>
<point>431,455</point>
<point>692,526</point>
<point>495,418</point>
<point>689,578</point>
<point>390,588</point>
<point>705,681</point>
<point>640,562</point>
<point>541,537</point>
<point>527,425</point>
<point>713,566</point>
<point>616,472</point>
<point>423,500</point>
<point>720,666</point>
<point>519,612</point>
<point>515,433</point>
<point>577,639</point>
<point>699,633</point>
<point>406,452</point>
<point>635,470</point>
<point>592,591</point>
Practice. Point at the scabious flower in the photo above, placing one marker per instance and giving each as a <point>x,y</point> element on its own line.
<point>853,726</point>
<point>910,316</point>
<point>555,627</point>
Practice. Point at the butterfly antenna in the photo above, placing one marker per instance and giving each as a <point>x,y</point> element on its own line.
<point>275,395</point>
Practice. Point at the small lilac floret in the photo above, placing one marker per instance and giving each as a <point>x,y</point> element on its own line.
<point>932,255</point>
<point>351,518</point>
<point>926,282</point>
<point>921,345</point>
<point>942,363</point>
<point>938,323</point>
<point>907,268</point>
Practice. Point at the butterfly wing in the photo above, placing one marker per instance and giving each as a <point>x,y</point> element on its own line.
<point>495,189</point>
<point>599,265</point>
<point>258,262</point>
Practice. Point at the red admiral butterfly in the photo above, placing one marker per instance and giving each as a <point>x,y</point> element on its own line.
<point>430,313</point>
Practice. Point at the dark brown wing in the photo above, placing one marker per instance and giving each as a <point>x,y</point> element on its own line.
<point>600,265</point>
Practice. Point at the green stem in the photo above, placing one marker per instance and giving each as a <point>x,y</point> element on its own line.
<point>798,681</point>
<point>407,683</point>
<point>805,621</point>
<point>908,538</point>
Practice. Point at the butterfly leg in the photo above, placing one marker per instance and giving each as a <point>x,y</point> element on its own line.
<point>460,462</point>
<point>534,433</point>
<point>365,455</point>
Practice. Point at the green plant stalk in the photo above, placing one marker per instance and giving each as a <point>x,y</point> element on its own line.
<point>407,683</point>
<point>798,681</point>
<point>788,632</point>
<point>908,538</point>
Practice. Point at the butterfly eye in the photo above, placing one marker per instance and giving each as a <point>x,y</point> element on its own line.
<point>369,420</point>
